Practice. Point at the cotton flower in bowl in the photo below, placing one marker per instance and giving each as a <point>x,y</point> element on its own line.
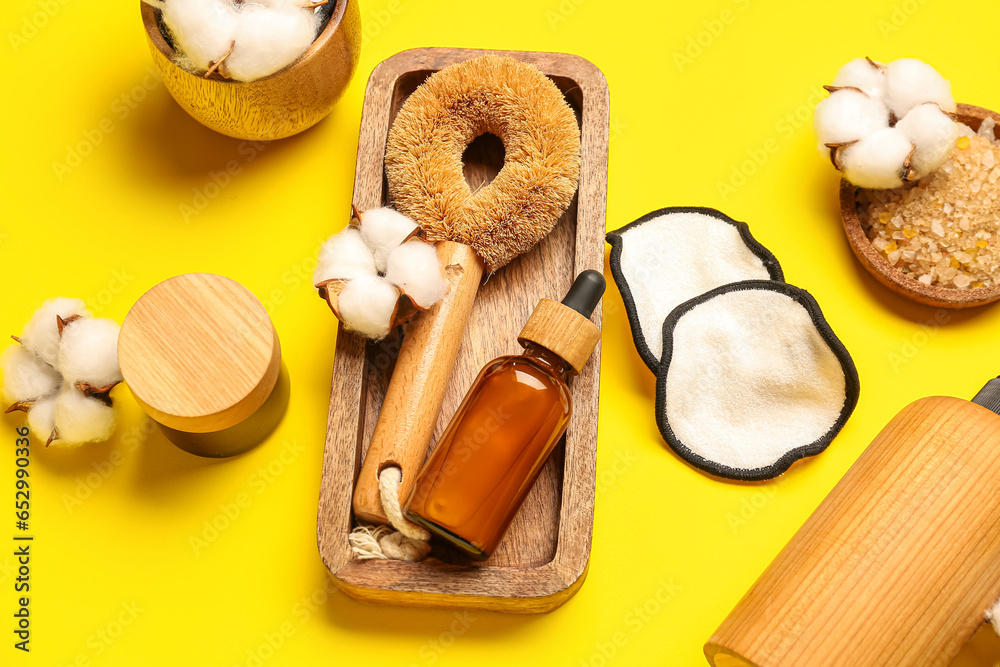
<point>61,371</point>
<point>884,125</point>
<point>920,196</point>
<point>244,40</point>
<point>379,272</point>
<point>254,69</point>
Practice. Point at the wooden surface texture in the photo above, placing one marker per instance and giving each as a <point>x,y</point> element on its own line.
<point>199,352</point>
<point>899,563</point>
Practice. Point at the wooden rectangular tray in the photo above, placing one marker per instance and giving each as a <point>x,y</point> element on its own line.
<point>543,559</point>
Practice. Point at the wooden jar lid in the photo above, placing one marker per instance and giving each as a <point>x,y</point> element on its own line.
<point>563,331</point>
<point>199,352</point>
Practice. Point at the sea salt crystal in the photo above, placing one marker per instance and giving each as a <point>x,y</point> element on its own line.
<point>962,281</point>
<point>934,224</point>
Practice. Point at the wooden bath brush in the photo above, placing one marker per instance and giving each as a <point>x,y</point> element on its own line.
<point>475,231</point>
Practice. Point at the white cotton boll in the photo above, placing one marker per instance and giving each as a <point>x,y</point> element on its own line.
<point>42,418</point>
<point>344,256</point>
<point>860,73</point>
<point>848,115</point>
<point>933,134</point>
<point>877,161</point>
<point>268,39</point>
<point>414,268</point>
<point>383,229</point>
<point>80,419</point>
<point>910,82</point>
<point>25,376</point>
<point>367,304</point>
<point>88,352</point>
<point>202,30</point>
<point>41,333</point>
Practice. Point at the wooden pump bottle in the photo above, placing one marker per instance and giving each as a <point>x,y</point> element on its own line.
<point>511,419</point>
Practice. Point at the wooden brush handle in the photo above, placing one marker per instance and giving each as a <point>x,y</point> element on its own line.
<point>413,399</point>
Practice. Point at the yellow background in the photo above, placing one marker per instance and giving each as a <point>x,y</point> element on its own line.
<point>116,580</point>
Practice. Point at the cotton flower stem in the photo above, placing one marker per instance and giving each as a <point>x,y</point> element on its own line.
<point>314,5</point>
<point>214,65</point>
<point>61,323</point>
<point>100,393</point>
<point>23,406</point>
<point>16,339</point>
<point>909,173</point>
<point>52,437</point>
<point>835,152</point>
<point>879,66</point>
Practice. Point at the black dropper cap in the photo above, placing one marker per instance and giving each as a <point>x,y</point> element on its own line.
<point>989,396</point>
<point>586,292</point>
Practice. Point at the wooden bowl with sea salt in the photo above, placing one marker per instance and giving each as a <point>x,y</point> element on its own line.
<point>273,107</point>
<point>896,280</point>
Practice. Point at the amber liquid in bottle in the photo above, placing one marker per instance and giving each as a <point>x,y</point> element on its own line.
<point>496,444</point>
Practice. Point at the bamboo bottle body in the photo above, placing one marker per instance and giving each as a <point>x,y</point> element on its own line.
<point>899,563</point>
<point>476,478</point>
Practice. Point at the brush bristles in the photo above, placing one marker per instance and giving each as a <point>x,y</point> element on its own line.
<point>541,139</point>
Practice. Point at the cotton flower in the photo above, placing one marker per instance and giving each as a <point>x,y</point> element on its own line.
<point>878,161</point>
<point>414,268</point>
<point>344,256</point>
<point>910,82</point>
<point>203,30</point>
<point>887,124</point>
<point>933,134</point>
<point>367,305</point>
<point>88,353</point>
<point>384,229</point>
<point>864,74</point>
<point>61,373</point>
<point>80,418</point>
<point>244,41</point>
<point>848,115</point>
<point>378,273</point>
<point>41,333</point>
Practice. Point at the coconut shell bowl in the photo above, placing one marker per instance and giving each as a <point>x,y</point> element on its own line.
<point>893,278</point>
<point>277,106</point>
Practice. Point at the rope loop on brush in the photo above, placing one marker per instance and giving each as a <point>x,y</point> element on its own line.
<point>408,542</point>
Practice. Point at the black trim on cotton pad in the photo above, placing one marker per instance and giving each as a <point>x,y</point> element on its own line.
<point>852,386</point>
<point>615,239</point>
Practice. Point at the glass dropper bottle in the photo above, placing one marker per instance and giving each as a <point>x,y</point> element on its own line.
<point>511,419</point>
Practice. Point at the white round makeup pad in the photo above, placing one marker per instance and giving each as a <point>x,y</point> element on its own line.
<point>674,254</point>
<point>752,379</point>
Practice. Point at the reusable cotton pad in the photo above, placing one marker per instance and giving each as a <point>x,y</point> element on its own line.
<point>673,254</point>
<point>752,379</point>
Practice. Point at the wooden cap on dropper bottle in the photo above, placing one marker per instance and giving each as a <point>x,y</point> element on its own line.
<point>565,328</point>
<point>201,356</point>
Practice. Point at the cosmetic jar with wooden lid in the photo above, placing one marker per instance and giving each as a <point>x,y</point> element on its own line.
<point>201,356</point>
